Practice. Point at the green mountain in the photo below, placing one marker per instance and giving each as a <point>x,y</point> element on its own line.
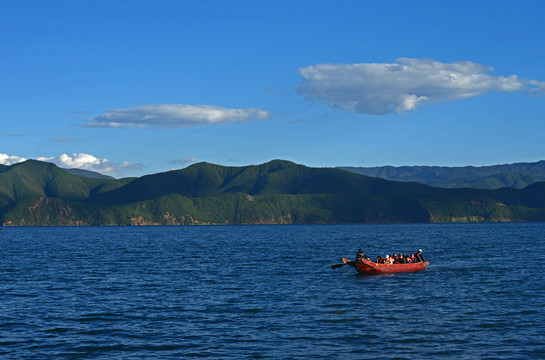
<point>89,174</point>
<point>518,175</point>
<point>277,192</point>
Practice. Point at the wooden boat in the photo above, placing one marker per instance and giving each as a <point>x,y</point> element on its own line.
<point>369,267</point>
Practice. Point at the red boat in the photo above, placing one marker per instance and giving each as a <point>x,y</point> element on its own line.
<point>369,267</point>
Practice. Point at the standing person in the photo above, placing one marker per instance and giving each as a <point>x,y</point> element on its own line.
<point>418,256</point>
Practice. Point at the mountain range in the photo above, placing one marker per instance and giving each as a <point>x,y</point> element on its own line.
<point>518,175</point>
<point>277,192</point>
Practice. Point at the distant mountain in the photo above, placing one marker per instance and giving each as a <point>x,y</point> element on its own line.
<point>277,192</point>
<point>89,174</point>
<point>518,175</point>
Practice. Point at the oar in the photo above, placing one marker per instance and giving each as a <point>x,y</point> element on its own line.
<point>422,261</point>
<point>345,262</point>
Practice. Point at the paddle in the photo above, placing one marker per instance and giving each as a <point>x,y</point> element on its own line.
<point>345,262</point>
<point>421,259</point>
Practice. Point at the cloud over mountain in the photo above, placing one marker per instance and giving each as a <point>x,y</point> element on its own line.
<point>184,161</point>
<point>77,161</point>
<point>6,159</point>
<point>174,116</point>
<point>383,88</point>
<point>89,162</point>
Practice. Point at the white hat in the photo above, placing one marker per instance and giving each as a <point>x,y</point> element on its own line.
<point>420,250</point>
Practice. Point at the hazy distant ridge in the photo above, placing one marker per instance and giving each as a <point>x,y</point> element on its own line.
<point>89,174</point>
<point>518,175</point>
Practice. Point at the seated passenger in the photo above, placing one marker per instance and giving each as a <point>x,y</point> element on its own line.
<point>359,255</point>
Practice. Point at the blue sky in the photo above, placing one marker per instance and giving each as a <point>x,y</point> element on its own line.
<point>129,88</point>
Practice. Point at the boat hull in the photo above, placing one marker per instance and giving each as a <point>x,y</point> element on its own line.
<point>369,267</point>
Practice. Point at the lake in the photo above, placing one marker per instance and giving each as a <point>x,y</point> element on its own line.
<point>268,292</point>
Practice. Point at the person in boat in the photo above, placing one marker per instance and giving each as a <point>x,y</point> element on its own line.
<point>402,259</point>
<point>379,259</point>
<point>359,255</point>
<point>389,259</point>
<point>412,258</point>
<point>419,257</point>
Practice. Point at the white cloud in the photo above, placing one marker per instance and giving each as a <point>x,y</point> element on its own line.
<point>125,165</point>
<point>174,116</point>
<point>90,162</point>
<point>78,161</point>
<point>538,87</point>
<point>6,159</point>
<point>184,161</point>
<point>375,88</point>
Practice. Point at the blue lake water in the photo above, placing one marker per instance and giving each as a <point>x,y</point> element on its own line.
<point>268,292</point>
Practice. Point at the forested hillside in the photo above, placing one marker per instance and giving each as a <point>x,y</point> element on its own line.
<point>277,192</point>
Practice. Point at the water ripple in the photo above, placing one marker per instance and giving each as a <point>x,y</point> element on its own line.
<point>268,292</point>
